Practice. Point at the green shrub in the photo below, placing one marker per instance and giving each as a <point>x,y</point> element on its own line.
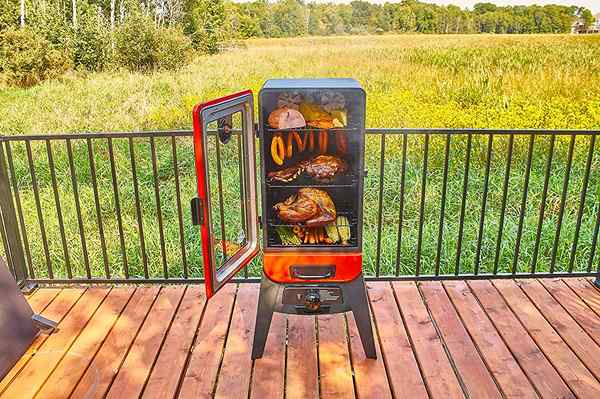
<point>26,58</point>
<point>140,45</point>
<point>136,43</point>
<point>174,49</point>
<point>91,42</point>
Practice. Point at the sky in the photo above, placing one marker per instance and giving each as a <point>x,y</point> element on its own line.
<point>593,5</point>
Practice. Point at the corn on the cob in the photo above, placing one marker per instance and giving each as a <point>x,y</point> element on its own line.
<point>343,227</point>
<point>332,232</point>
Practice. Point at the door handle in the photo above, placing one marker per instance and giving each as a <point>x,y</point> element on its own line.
<point>197,211</point>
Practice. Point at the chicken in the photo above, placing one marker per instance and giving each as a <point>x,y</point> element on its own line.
<point>322,168</point>
<point>286,118</point>
<point>310,206</point>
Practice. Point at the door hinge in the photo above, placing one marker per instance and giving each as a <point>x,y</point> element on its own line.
<point>260,221</point>
<point>256,130</point>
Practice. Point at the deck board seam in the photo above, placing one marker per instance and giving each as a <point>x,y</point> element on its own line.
<point>285,357</point>
<point>316,332</point>
<point>508,347</point>
<point>349,346</point>
<point>567,310</point>
<point>410,340</point>
<point>126,354</point>
<point>479,352</point>
<point>77,335</point>
<point>532,338</point>
<point>162,342</point>
<point>188,356</point>
<point>453,365</point>
<point>381,351</point>
<point>573,351</point>
<point>218,374</point>
<point>585,302</point>
<point>102,343</point>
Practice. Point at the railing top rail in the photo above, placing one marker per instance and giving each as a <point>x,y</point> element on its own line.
<point>408,131</point>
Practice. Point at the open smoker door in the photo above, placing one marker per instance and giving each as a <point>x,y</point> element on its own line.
<point>226,208</point>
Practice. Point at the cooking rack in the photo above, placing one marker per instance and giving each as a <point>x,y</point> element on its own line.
<point>347,129</point>
<point>274,240</point>
<point>345,180</point>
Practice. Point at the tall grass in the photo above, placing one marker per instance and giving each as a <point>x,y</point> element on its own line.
<point>411,81</point>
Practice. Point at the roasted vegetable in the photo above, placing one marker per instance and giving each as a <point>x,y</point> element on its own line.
<point>311,141</point>
<point>323,141</point>
<point>277,150</point>
<point>343,227</point>
<point>287,236</point>
<point>332,232</point>
<point>341,142</point>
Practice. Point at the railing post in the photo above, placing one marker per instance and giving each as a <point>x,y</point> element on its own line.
<point>11,234</point>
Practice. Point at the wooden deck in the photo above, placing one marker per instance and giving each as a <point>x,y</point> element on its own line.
<point>480,339</point>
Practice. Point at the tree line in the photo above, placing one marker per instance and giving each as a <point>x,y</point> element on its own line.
<point>287,18</point>
<point>40,39</point>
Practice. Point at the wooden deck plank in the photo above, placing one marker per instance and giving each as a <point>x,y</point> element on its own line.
<point>105,365</point>
<point>473,371</point>
<point>302,364</point>
<point>38,301</point>
<point>269,371</point>
<point>369,374</point>
<point>203,367</point>
<point>234,378</point>
<point>573,371</point>
<point>41,298</point>
<point>512,380</point>
<point>571,333</point>
<point>439,376</point>
<point>396,350</point>
<point>71,368</point>
<point>334,359</point>
<point>586,291</point>
<point>37,370</point>
<point>535,365</point>
<point>137,366</point>
<point>168,370</point>
<point>576,307</point>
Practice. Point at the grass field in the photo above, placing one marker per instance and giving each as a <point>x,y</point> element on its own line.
<point>411,81</point>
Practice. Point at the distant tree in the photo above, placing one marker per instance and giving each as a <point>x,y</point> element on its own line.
<point>205,24</point>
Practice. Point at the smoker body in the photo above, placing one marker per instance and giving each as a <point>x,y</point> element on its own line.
<point>313,273</point>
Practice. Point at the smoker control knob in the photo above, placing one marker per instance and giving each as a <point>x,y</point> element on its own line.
<point>312,301</point>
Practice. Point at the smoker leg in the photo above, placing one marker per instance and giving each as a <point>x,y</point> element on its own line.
<point>356,296</point>
<point>267,299</point>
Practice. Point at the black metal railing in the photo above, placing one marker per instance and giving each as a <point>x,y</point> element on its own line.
<point>439,204</point>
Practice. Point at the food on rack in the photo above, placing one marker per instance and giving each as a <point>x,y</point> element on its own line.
<point>323,137</point>
<point>340,118</point>
<point>286,118</point>
<point>310,206</point>
<point>332,232</point>
<point>322,168</point>
<point>311,141</point>
<point>341,142</point>
<point>277,149</point>
<point>312,235</point>
<point>287,236</point>
<point>289,100</point>
<point>331,101</point>
<point>293,136</point>
<point>343,227</point>
<point>315,116</point>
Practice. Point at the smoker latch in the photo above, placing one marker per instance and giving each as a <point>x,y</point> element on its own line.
<point>197,211</point>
